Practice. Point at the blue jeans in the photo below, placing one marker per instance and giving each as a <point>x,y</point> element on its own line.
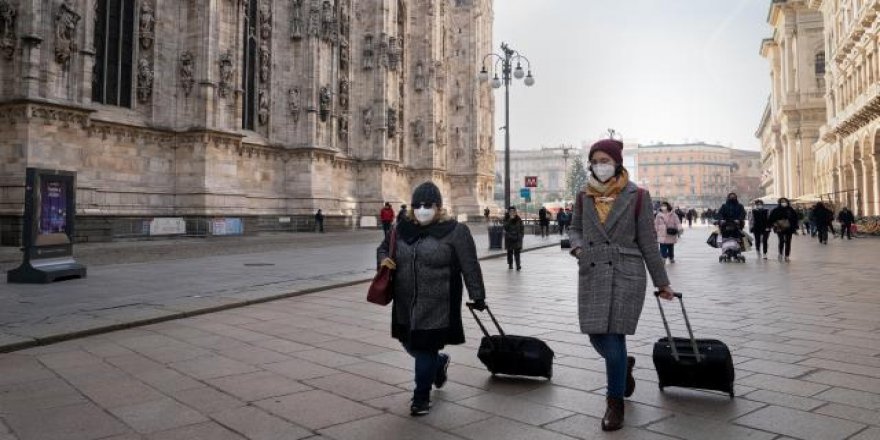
<point>426,363</point>
<point>612,347</point>
<point>667,251</point>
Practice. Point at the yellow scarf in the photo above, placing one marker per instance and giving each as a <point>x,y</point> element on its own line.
<point>604,194</point>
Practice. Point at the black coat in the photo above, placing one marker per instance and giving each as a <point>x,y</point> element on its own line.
<point>788,213</point>
<point>822,217</point>
<point>760,220</point>
<point>731,212</point>
<point>846,217</point>
<point>514,230</point>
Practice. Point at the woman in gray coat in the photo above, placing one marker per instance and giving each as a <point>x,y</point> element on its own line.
<point>613,238</point>
<point>434,253</point>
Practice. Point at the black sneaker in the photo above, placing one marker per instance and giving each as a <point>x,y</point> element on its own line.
<point>420,408</point>
<point>440,378</point>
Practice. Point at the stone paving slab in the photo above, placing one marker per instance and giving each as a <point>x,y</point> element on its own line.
<point>322,365</point>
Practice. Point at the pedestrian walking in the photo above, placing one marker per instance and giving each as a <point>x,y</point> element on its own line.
<point>822,218</point>
<point>560,221</point>
<point>544,222</point>
<point>760,227</point>
<point>486,213</point>
<point>514,230</point>
<point>668,228</point>
<point>784,222</point>
<point>846,219</point>
<point>680,214</point>
<point>401,214</point>
<point>732,211</point>
<point>612,236</point>
<point>386,215</point>
<point>319,221</point>
<point>691,216</point>
<point>434,254</point>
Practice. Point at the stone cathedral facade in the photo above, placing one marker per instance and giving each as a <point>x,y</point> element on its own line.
<point>256,109</point>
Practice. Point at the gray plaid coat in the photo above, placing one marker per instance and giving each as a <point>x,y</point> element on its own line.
<point>611,268</point>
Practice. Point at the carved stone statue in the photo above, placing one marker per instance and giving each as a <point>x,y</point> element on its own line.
<point>8,14</point>
<point>343,128</point>
<point>421,80</point>
<point>441,133</point>
<point>367,119</point>
<point>369,53</point>
<point>187,60</point>
<point>265,61</point>
<point>66,21</point>
<point>293,103</point>
<point>328,21</point>
<point>144,81</point>
<point>383,50</point>
<point>147,25</point>
<point>324,103</point>
<point>343,94</point>
<point>391,122</point>
<point>430,5</point>
<point>263,103</point>
<point>394,52</point>
<point>226,72</point>
<point>265,20</point>
<point>418,129</point>
<point>296,19</point>
<point>314,18</point>
<point>344,53</point>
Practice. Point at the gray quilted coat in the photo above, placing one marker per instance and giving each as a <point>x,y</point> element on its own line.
<point>611,268</point>
<point>432,262</point>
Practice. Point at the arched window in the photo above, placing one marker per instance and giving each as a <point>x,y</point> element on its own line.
<point>114,49</point>
<point>249,67</point>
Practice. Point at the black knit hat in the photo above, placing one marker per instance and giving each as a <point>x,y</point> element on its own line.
<point>427,194</point>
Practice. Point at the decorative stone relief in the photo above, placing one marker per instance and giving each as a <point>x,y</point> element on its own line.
<point>263,106</point>
<point>367,120</point>
<point>391,122</point>
<point>293,103</point>
<point>296,19</point>
<point>369,54</point>
<point>440,137</point>
<point>324,103</point>
<point>144,81</point>
<point>147,25</point>
<point>265,14</point>
<point>421,79</point>
<point>66,21</point>
<point>8,15</point>
<point>187,61</point>
<point>418,129</point>
<point>314,18</point>
<point>226,73</point>
<point>343,94</point>
<point>395,49</point>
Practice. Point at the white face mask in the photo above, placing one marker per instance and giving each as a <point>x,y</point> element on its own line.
<point>425,216</point>
<point>603,171</point>
<point>663,209</point>
<point>784,205</point>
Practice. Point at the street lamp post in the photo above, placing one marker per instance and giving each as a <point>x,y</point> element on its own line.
<point>508,72</point>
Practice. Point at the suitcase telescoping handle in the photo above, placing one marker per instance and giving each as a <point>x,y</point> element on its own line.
<point>470,307</point>
<point>687,323</point>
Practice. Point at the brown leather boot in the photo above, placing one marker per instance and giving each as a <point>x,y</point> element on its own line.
<point>630,380</point>
<point>613,419</point>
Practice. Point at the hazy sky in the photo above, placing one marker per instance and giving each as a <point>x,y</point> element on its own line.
<point>655,70</point>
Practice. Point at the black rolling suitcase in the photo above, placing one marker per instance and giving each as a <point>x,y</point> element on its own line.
<point>513,355</point>
<point>692,363</point>
<point>565,243</point>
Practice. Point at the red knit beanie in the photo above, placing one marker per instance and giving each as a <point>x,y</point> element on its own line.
<point>611,147</point>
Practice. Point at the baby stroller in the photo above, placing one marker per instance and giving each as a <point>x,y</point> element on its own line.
<point>732,243</point>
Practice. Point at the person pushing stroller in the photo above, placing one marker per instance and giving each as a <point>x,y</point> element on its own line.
<point>731,221</point>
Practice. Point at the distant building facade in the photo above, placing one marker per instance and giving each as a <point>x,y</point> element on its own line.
<point>550,165</point>
<point>698,175</point>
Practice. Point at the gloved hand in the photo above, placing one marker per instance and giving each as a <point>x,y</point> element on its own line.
<point>479,305</point>
<point>389,263</point>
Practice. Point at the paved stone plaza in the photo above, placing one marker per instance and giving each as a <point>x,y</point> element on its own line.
<point>322,365</point>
